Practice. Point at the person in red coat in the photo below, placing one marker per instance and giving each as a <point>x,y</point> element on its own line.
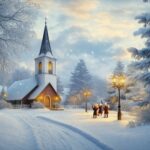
<point>106,110</point>
<point>95,111</point>
<point>100,109</point>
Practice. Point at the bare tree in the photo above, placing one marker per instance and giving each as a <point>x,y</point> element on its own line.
<point>15,31</point>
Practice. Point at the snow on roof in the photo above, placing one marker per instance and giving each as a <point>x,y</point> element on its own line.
<point>38,91</point>
<point>48,54</point>
<point>19,89</point>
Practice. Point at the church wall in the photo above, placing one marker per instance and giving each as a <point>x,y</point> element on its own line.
<point>45,61</point>
<point>47,78</point>
<point>47,92</point>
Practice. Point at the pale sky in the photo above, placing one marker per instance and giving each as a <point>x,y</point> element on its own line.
<point>98,31</point>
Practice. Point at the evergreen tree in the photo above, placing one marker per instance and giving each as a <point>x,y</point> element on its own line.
<point>135,90</point>
<point>112,98</point>
<point>119,69</point>
<point>60,88</point>
<point>142,56</point>
<point>80,79</point>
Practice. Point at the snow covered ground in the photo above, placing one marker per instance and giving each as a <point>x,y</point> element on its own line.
<point>70,129</point>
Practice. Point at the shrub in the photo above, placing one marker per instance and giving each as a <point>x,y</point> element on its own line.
<point>37,105</point>
<point>131,124</point>
<point>143,115</point>
<point>125,106</point>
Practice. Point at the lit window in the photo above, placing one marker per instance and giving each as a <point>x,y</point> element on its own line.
<point>50,67</point>
<point>40,67</point>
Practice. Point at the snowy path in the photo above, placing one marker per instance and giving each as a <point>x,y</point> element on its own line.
<point>36,132</point>
<point>79,132</point>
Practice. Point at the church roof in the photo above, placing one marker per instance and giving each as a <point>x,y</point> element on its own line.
<point>39,89</point>
<point>19,89</point>
<point>45,45</point>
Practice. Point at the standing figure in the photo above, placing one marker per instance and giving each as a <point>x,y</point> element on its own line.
<point>100,109</point>
<point>95,111</point>
<point>106,110</point>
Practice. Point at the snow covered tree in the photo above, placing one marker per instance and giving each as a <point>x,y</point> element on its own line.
<point>119,69</point>
<point>112,98</point>
<point>142,56</point>
<point>80,79</point>
<point>135,90</point>
<point>16,18</point>
<point>60,87</point>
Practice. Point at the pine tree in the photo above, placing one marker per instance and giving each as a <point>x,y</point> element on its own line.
<point>142,56</point>
<point>80,79</point>
<point>135,90</point>
<point>119,69</point>
<point>112,98</point>
<point>60,88</point>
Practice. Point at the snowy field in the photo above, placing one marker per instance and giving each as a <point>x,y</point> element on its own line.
<point>69,130</point>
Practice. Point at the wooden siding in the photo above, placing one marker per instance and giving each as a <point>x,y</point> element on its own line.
<point>48,97</point>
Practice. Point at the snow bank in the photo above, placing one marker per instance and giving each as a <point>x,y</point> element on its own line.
<point>143,115</point>
<point>4,104</point>
<point>41,129</point>
<point>37,105</point>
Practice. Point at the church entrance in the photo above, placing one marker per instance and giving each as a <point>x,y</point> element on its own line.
<point>47,101</point>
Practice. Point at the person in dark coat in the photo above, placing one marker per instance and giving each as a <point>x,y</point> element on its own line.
<point>100,109</point>
<point>106,110</point>
<point>95,111</point>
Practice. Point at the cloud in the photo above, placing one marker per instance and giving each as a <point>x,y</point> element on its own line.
<point>98,31</point>
<point>79,9</point>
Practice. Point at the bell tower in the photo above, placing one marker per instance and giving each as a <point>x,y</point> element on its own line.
<point>45,63</point>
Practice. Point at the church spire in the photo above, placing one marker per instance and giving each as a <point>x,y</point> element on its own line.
<point>45,46</point>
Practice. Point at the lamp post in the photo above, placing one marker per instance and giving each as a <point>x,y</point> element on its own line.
<point>86,94</point>
<point>118,82</point>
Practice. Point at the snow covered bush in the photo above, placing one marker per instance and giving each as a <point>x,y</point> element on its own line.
<point>131,124</point>
<point>143,115</point>
<point>37,105</point>
<point>125,105</point>
<point>4,104</point>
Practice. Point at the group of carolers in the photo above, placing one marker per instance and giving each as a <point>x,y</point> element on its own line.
<point>100,109</point>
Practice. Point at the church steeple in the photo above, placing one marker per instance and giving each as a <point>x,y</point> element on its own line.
<point>45,45</point>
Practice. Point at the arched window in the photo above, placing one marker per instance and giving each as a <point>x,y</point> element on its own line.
<point>50,67</point>
<point>40,67</point>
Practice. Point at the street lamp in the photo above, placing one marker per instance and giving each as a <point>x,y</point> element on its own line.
<point>118,82</point>
<point>86,94</point>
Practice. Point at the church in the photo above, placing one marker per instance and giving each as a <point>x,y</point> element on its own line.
<point>42,87</point>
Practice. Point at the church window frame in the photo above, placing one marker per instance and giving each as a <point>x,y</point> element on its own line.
<point>40,67</point>
<point>50,67</point>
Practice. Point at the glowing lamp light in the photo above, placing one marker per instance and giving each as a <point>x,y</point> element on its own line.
<point>118,82</point>
<point>86,94</point>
